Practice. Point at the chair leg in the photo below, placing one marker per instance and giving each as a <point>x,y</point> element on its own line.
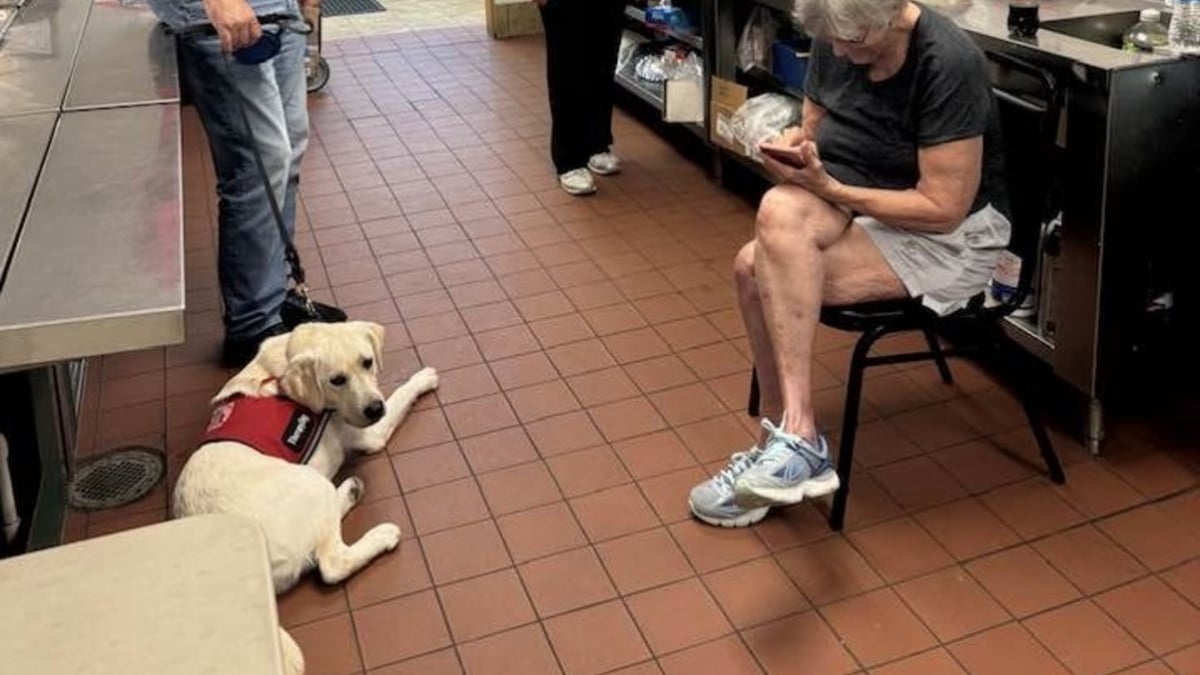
<point>1049,456</point>
<point>1027,390</point>
<point>752,404</point>
<point>858,366</point>
<point>939,357</point>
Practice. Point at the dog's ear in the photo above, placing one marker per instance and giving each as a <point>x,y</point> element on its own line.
<point>375,333</point>
<point>258,377</point>
<point>300,383</point>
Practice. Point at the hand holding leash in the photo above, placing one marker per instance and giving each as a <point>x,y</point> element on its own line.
<point>235,23</point>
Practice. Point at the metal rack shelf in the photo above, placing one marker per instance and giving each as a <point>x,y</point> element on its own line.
<point>650,92</point>
<point>1026,334</point>
<point>768,81</point>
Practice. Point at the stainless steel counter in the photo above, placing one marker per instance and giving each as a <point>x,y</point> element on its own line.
<point>990,18</point>
<point>23,143</point>
<point>91,213</point>
<point>38,54</point>
<point>99,267</point>
<point>124,59</point>
<point>91,225</point>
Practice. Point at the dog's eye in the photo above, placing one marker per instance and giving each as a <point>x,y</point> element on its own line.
<point>337,380</point>
<point>368,364</point>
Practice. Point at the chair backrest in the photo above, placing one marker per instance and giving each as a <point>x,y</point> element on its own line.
<point>1029,102</point>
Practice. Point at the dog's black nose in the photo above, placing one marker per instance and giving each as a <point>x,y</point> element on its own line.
<point>374,412</point>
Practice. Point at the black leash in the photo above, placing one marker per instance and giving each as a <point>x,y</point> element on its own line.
<point>290,253</point>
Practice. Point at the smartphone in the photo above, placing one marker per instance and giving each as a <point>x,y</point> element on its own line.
<point>784,154</point>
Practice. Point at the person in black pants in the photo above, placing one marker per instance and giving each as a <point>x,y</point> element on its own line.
<point>582,41</point>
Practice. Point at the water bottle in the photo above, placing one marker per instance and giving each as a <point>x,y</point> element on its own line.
<point>1183,37</point>
<point>1146,34</point>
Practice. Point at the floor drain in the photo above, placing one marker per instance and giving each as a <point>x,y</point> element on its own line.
<point>115,478</point>
<point>332,8</point>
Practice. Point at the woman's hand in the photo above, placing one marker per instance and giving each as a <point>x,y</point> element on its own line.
<point>807,172</point>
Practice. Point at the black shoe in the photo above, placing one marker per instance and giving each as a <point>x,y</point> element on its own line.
<point>237,352</point>
<point>295,312</point>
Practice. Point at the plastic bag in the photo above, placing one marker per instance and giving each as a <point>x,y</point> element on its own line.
<point>683,66</point>
<point>670,64</point>
<point>662,13</point>
<point>630,44</point>
<point>754,49</point>
<point>763,118</point>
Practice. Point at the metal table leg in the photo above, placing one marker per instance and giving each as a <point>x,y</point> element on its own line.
<point>1095,426</point>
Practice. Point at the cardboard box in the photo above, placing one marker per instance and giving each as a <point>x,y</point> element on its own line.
<point>727,97</point>
<point>512,19</point>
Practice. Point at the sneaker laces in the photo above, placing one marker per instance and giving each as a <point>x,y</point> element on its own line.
<point>770,428</point>
<point>738,462</point>
<point>793,443</point>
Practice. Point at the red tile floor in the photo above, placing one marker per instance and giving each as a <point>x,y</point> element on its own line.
<point>594,369</point>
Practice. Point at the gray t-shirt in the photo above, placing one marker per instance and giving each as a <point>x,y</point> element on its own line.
<point>942,93</point>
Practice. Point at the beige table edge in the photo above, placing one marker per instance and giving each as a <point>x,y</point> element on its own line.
<point>187,596</point>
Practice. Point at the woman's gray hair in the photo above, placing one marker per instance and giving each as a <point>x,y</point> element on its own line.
<point>845,18</point>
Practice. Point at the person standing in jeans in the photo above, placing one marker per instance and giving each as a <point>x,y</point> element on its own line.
<point>582,41</point>
<point>251,264</point>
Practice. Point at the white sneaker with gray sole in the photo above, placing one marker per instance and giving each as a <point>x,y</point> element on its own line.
<point>577,182</point>
<point>604,164</point>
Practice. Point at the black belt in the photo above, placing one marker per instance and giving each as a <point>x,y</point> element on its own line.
<point>265,20</point>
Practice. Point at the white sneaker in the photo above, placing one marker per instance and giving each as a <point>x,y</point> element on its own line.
<point>714,501</point>
<point>789,470</point>
<point>577,182</point>
<point>604,164</point>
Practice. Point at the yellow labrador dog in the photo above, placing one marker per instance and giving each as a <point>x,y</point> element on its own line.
<point>281,430</point>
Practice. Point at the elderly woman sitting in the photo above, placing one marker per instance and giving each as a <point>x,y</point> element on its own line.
<point>890,188</point>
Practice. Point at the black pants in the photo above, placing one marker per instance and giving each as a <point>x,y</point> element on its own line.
<point>582,41</point>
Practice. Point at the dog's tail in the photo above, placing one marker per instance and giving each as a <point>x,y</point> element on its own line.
<point>293,658</point>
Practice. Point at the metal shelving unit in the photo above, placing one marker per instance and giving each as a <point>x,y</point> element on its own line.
<point>653,94</point>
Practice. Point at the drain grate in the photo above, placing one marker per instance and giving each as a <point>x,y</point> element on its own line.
<point>115,478</point>
<point>347,7</point>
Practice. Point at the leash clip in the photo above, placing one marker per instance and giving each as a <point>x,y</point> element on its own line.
<point>302,291</point>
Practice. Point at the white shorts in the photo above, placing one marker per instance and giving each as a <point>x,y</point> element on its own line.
<point>944,270</point>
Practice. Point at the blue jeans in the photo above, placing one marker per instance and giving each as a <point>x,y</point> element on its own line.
<point>251,264</point>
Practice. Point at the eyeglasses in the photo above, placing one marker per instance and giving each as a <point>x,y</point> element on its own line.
<point>858,40</point>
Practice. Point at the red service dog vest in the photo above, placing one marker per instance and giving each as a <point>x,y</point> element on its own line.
<point>274,426</point>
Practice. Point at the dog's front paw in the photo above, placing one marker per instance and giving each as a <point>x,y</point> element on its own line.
<point>389,535</point>
<point>426,379</point>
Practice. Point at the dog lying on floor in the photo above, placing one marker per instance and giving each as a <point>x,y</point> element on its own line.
<point>281,430</point>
